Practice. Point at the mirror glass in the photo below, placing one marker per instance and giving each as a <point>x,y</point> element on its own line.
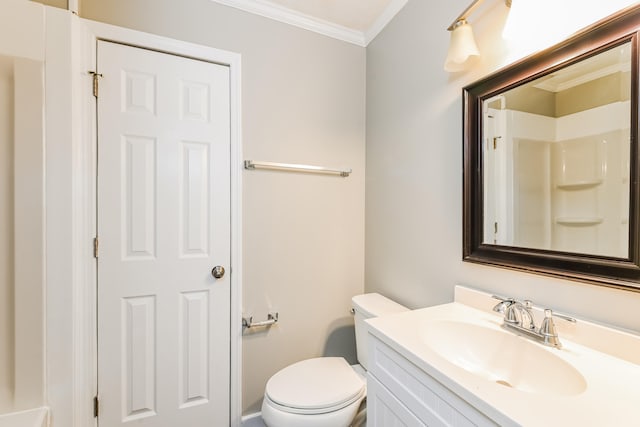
<point>551,181</point>
<point>556,158</point>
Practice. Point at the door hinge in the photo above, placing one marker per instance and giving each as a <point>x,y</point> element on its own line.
<point>495,228</point>
<point>96,407</point>
<point>495,142</point>
<point>95,76</point>
<point>95,247</point>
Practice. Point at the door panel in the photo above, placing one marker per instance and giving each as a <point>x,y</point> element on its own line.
<point>163,224</point>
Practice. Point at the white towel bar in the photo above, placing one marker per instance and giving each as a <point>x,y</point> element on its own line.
<point>272,318</point>
<point>250,164</point>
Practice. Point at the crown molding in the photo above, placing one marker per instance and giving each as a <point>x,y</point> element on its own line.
<point>283,14</point>
<point>387,15</point>
<point>552,85</point>
<point>297,19</point>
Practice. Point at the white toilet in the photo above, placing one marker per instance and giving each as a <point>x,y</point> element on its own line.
<point>325,391</point>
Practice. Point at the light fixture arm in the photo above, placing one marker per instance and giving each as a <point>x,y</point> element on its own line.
<point>468,11</point>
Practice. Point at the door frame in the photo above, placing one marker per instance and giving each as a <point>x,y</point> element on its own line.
<point>81,37</point>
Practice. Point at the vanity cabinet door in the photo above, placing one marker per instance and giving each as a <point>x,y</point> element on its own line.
<point>430,401</point>
<point>384,410</point>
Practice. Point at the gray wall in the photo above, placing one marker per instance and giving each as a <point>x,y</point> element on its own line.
<point>414,173</point>
<point>303,101</point>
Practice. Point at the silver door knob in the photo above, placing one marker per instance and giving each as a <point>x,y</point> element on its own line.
<point>218,272</point>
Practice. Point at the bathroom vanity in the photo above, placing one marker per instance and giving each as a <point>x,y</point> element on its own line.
<point>455,364</point>
<point>400,393</point>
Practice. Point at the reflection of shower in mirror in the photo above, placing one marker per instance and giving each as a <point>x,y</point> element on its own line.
<point>556,160</point>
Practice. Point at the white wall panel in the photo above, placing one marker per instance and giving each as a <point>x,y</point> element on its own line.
<point>139,196</point>
<point>194,348</point>
<point>29,228</point>
<point>138,358</point>
<point>6,235</point>
<point>139,92</point>
<point>195,101</point>
<point>22,29</point>
<point>195,209</point>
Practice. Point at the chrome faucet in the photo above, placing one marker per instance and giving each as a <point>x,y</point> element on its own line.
<point>501,307</point>
<point>548,330</point>
<point>518,318</point>
<point>520,315</point>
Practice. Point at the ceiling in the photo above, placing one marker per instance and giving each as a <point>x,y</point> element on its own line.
<point>353,21</point>
<point>355,14</point>
<point>614,60</point>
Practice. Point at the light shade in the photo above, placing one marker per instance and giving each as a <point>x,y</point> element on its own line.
<point>462,46</point>
<point>537,24</point>
<point>518,23</point>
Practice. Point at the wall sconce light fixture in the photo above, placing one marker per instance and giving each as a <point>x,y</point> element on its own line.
<point>462,45</point>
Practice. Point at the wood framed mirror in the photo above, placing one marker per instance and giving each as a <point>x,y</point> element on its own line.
<point>551,169</point>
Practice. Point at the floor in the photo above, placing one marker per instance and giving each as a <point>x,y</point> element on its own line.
<point>256,420</point>
<point>253,421</point>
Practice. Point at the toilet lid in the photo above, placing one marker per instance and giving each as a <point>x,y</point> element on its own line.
<point>314,384</point>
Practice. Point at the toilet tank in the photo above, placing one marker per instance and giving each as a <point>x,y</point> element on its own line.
<point>365,307</point>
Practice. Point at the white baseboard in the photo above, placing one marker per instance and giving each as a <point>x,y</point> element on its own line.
<point>253,420</point>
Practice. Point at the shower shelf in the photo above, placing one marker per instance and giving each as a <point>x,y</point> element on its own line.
<point>579,185</point>
<point>578,221</point>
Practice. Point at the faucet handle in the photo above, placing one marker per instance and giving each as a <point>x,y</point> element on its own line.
<point>503,304</point>
<point>548,329</point>
<point>510,315</point>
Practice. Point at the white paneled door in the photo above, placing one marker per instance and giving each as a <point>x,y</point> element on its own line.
<point>163,225</point>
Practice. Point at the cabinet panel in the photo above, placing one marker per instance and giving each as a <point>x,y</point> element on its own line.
<point>429,400</point>
<point>384,410</point>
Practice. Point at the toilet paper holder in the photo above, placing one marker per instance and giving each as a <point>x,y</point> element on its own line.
<point>272,318</point>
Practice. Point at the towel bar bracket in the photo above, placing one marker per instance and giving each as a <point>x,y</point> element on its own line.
<point>247,322</point>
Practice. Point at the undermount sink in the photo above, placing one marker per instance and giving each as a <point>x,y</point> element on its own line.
<point>503,358</point>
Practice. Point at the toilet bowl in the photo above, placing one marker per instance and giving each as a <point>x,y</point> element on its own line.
<point>325,391</point>
<point>320,392</point>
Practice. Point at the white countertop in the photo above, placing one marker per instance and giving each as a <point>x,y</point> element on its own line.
<point>611,396</point>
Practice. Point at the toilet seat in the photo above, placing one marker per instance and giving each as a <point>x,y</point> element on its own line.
<point>315,386</point>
